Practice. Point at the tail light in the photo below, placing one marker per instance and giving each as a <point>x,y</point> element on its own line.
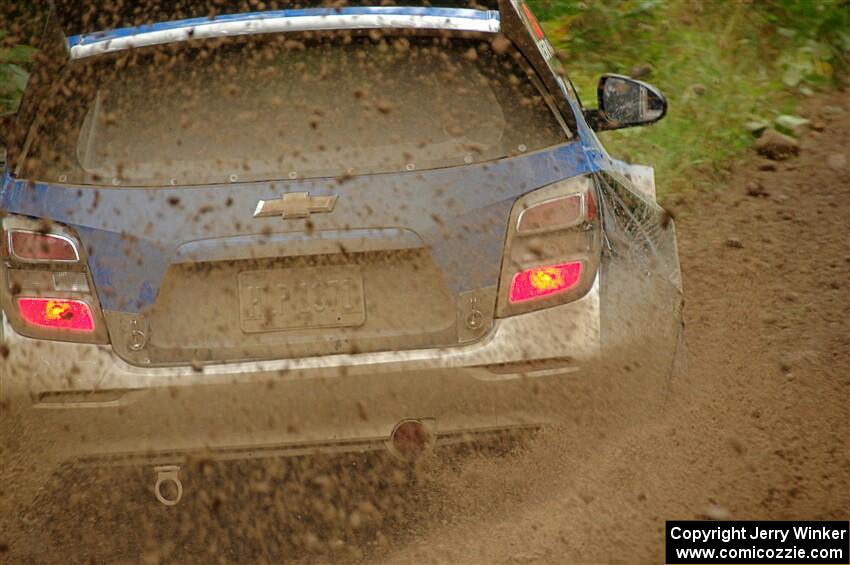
<point>557,214</point>
<point>41,247</point>
<point>544,281</point>
<point>552,249</point>
<point>57,313</point>
<point>48,293</point>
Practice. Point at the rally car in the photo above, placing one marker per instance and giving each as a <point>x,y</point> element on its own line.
<point>315,229</point>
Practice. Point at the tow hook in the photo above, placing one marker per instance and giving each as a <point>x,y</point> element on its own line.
<point>165,475</point>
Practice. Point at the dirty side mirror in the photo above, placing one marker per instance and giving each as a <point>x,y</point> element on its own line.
<point>625,102</point>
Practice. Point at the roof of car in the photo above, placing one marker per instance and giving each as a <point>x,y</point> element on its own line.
<point>310,19</point>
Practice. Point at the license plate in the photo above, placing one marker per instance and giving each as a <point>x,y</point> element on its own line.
<point>314,297</point>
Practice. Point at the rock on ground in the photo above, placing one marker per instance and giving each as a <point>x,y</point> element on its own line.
<point>777,146</point>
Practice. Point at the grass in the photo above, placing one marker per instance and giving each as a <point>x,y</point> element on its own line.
<point>721,65</point>
<point>20,27</point>
<point>13,74</point>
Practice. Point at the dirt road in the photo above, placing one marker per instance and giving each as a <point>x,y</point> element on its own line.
<point>761,428</point>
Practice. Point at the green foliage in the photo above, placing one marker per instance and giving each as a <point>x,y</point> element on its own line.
<point>814,37</point>
<point>594,26</point>
<point>824,21</point>
<point>13,74</point>
<point>722,65</point>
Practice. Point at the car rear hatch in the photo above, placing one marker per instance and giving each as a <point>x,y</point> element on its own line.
<point>386,232</point>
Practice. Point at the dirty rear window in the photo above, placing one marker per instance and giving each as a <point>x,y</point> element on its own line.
<point>289,107</point>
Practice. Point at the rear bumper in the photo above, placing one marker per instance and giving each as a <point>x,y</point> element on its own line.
<point>63,401</point>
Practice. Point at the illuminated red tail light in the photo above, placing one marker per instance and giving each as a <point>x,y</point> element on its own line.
<point>544,281</point>
<point>57,313</point>
<point>34,246</point>
<point>553,247</point>
<point>51,294</point>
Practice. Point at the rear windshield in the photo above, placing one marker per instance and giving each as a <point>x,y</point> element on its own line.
<point>288,107</point>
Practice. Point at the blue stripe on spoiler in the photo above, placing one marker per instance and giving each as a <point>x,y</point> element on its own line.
<point>87,39</point>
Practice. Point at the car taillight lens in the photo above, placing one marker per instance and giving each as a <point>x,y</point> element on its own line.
<point>557,214</point>
<point>47,291</point>
<point>544,281</point>
<point>39,247</point>
<point>57,313</point>
<point>553,247</point>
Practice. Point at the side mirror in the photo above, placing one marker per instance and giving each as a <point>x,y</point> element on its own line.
<point>625,102</point>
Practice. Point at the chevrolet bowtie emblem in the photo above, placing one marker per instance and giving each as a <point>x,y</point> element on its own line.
<point>294,205</point>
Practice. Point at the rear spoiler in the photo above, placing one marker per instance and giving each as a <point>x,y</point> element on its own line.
<point>80,18</point>
<point>273,21</point>
<point>85,24</point>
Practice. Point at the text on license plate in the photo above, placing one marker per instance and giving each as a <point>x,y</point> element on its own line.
<point>309,297</point>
